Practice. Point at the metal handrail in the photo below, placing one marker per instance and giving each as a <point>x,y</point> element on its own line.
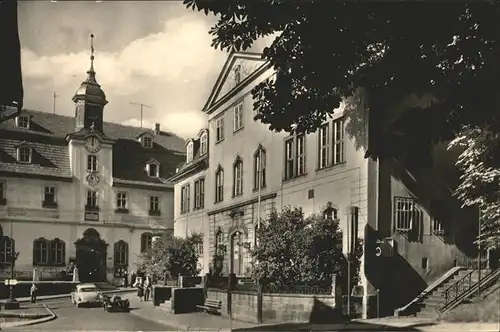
<point>457,288</point>
<point>460,295</point>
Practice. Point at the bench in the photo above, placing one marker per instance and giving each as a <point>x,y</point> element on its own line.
<point>211,306</point>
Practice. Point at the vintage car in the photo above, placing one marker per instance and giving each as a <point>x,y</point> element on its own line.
<point>115,303</point>
<point>86,294</point>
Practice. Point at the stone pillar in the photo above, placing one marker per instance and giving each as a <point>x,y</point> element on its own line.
<point>36,276</point>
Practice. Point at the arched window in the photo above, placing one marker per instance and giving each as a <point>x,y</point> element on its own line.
<point>189,156</point>
<point>203,143</point>
<point>146,242</point>
<point>259,179</point>
<point>7,248</point>
<point>238,177</point>
<point>121,253</point>
<point>57,252</point>
<point>24,154</point>
<point>41,251</point>
<point>219,184</point>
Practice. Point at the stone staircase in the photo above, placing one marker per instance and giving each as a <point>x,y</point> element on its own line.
<point>166,306</point>
<point>427,308</point>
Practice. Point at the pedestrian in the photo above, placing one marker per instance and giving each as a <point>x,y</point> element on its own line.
<point>140,292</point>
<point>132,278</point>
<point>147,290</point>
<point>33,293</point>
<point>125,281</point>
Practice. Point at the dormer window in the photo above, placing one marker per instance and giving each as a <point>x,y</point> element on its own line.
<point>24,154</point>
<point>23,121</point>
<point>189,152</point>
<point>153,169</point>
<point>147,141</point>
<point>203,143</point>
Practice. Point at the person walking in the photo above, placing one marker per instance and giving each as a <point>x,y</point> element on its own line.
<point>140,292</point>
<point>33,293</point>
<point>147,289</point>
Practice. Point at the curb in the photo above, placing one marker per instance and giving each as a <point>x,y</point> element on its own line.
<point>62,296</point>
<point>52,315</point>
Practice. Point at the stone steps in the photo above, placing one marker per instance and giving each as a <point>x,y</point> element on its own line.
<point>166,306</point>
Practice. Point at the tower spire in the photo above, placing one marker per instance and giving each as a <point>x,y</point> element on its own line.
<point>91,72</point>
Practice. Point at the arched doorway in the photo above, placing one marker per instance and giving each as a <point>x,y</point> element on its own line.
<point>91,252</point>
<point>237,253</point>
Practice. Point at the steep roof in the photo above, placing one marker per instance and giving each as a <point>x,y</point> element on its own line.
<point>46,135</point>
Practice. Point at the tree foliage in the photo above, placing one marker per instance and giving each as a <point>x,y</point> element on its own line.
<point>325,49</point>
<point>293,250</point>
<point>480,179</point>
<point>173,255</point>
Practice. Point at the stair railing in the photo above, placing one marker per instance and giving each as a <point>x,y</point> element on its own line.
<point>458,297</point>
<point>456,289</point>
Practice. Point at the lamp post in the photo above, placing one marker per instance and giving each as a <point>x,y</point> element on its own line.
<point>11,302</point>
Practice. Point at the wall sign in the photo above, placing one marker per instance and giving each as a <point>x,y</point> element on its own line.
<point>92,216</point>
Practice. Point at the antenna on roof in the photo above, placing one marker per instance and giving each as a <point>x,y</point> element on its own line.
<point>54,95</point>
<point>142,108</point>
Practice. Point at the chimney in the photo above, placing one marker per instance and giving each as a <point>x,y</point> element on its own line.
<point>157,128</point>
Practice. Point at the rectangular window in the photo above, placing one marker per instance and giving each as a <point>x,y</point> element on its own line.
<point>219,129</point>
<point>199,194</point>
<point>121,200</point>
<point>185,196</point>
<point>238,117</point>
<point>49,196</point>
<point>323,147</point>
<point>219,186</point>
<point>23,121</point>
<point>147,142</point>
<point>24,154</point>
<point>438,212</point>
<point>92,163</point>
<point>289,163</point>
<point>295,156</point>
<point>3,192</point>
<point>92,199</point>
<point>404,213</point>
<point>301,155</point>
<point>338,142</point>
<point>260,169</point>
<point>154,204</point>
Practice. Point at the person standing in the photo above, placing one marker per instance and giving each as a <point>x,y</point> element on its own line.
<point>147,289</point>
<point>125,281</point>
<point>140,291</point>
<point>33,293</point>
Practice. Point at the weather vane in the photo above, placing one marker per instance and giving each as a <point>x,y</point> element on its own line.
<point>92,50</point>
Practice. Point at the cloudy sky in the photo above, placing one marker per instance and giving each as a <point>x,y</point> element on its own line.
<point>157,53</point>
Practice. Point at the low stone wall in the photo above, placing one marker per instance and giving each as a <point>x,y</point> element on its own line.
<point>22,289</point>
<point>161,294</point>
<point>190,281</point>
<point>245,306</point>
<point>184,300</point>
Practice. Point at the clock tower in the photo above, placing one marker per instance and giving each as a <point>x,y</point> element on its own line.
<point>89,100</point>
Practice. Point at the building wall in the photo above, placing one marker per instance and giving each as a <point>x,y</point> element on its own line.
<point>193,221</point>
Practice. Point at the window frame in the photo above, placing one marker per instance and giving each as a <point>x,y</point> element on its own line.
<point>149,139</point>
<point>23,117</point>
<point>189,152</point>
<point>324,146</point>
<point>120,254</point>
<point>199,194</point>
<point>121,196</point>
<point>92,163</point>
<point>185,198</point>
<point>259,178</point>
<point>219,129</point>
<point>20,153</point>
<point>238,177</point>
<point>295,157</point>
<point>203,144</point>
<point>238,122</point>
<point>338,141</point>
<point>156,174</point>
<point>57,246</point>
<point>219,185</point>
<point>92,195</point>
<point>154,201</point>
<point>403,213</point>
<point>45,201</point>
<point>8,247</point>
<point>3,192</point>
<point>41,252</point>
<point>146,242</point>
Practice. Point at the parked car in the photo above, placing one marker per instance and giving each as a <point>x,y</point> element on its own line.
<point>115,303</point>
<point>86,294</point>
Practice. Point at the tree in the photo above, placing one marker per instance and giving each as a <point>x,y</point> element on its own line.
<point>326,49</point>
<point>480,180</point>
<point>293,250</point>
<point>173,255</point>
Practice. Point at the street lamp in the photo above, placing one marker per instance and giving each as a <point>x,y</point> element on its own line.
<point>11,302</point>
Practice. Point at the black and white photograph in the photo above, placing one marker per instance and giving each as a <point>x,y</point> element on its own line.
<point>249,165</point>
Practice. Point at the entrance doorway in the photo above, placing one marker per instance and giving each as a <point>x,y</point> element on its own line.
<point>91,252</point>
<point>237,253</point>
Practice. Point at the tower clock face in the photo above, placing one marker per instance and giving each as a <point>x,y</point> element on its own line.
<point>92,144</point>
